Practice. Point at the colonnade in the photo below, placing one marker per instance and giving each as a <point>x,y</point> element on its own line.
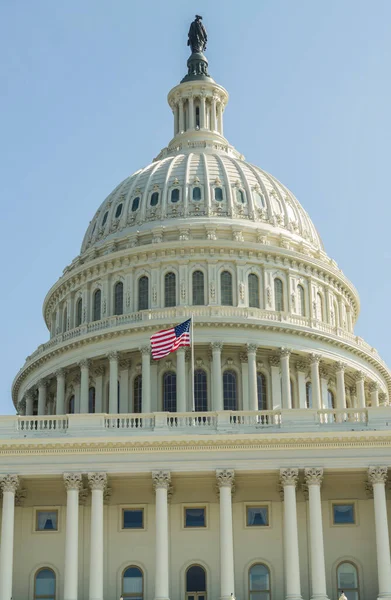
<point>283,367</point>
<point>198,111</point>
<point>225,479</point>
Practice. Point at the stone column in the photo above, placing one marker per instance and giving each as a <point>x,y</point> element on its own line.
<point>288,479</point>
<point>113,383</point>
<point>243,357</point>
<point>42,387</point>
<point>225,482</point>
<point>84,385</point>
<point>274,362</point>
<point>313,479</point>
<point>377,477</point>
<point>97,482</point>
<point>73,483</point>
<point>98,374</point>
<point>191,112</point>
<point>340,376</point>
<point>181,380</point>
<point>374,389</point>
<point>124,367</point>
<point>324,380</point>
<point>301,369</point>
<point>315,381</point>
<point>146,379</point>
<point>29,403</point>
<point>60,396</point>
<point>220,118</point>
<point>252,376</point>
<point>181,116</point>
<point>9,484</point>
<point>213,121</point>
<point>285,378</point>
<point>360,389</point>
<point>217,377</point>
<point>203,112</point>
<point>161,483</point>
<point>175,111</point>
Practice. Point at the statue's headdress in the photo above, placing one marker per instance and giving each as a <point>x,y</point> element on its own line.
<point>198,17</point>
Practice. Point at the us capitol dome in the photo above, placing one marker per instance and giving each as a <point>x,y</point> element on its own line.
<point>113,457</point>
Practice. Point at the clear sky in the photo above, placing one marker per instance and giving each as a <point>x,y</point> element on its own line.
<point>83,105</point>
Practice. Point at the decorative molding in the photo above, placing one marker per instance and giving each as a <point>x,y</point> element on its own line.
<point>145,350</point>
<point>313,476</point>
<point>274,361</point>
<point>301,366</point>
<point>377,475</point>
<point>359,376</point>
<point>20,496</point>
<point>124,364</point>
<point>161,479</point>
<point>315,358</point>
<point>84,363</point>
<point>252,348</point>
<point>243,357</point>
<point>216,346</point>
<point>97,481</point>
<point>340,366</point>
<point>9,483</point>
<point>60,373</point>
<point>225,478</point>
<point>113,356</point>
<point>99,371</point>
<point>285,352</point>
<point>373,386</point>
<point>73,481</point>
<point>289,476</point>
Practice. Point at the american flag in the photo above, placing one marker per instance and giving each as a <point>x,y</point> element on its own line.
<point>168,340</point>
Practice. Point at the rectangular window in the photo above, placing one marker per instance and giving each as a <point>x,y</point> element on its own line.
<point>195,517</point>
<point>257,516</point>
<point>344,514</point>
<point>132,518</point>
<point>46,520</point>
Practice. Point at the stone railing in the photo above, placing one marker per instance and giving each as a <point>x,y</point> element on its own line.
<point>195,423</point>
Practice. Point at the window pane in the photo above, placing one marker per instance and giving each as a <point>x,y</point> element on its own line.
<point>154,199</point>
<point>45,583</point>
<point>105,219</point>
<point>261,389</point>
<point>259,199</point>
<point>330,399</point>
<point>137,393</point>
<point>200,391</point>
<point>259,595</point>
<point>195,579</point>
<point>226,289</point>
<point>229,390</point>
<point>79,312</point>
<point>175,195</point>
<point>278,295</point>
<point>253,290</point>
<point>169,289</point>
<point>71,405</point>
<point>218,194</point>
<point>240,197</point>
<point>198,288</point>
<point>91,400</point>
<point>195,517</point>
<point>133,518</point>
<point>301,300</point>
<point>196,193</point>
<point>119,298</point>
<point>257,516</point>
<point>143,293</point>
<point>47,520</point>
<point>343,513</point>
<point>97,305</point>
<point>133,582</point>
<point>169,392</point>
<point>259,578</point>
<point>135,204</point>
<point>118,211</point>
<point>347,577</point>
<point>308,394</point>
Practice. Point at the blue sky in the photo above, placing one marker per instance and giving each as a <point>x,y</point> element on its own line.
<point>83,105</point>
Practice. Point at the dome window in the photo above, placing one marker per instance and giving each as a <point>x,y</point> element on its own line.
<point>218,194</point>
<point>135,204</point>
<point>105,218</point>
<point>175,195</point>
<point>154,198</point>
<point>197,193</point>
<point>118,211</point>
<point>93,229</point>
<point>240,197</point>
<point>260,200</point>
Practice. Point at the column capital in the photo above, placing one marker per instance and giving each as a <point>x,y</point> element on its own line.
<point>73,481</point>
<point>84,363</point>
<point>161,479</point>
<point>313,476</point>
<point>60,373</point>
<point>252,348</point>
<point>145,350</point>
<point>377,475</point>
<point>289,476</point>
<point>9,483</point>
<point>29,393</point>
<point>216,346</point>
<point>225,478</point>
<point>274,361</point>
<point>113,356</point>
<point>43,383</point>
<point>285,352</point>
<point>340,366</point>
<point>359,376</point>
<point>315,358</point>
<point>182,350</point>
<point>373,386</point>
<point>97,481</point>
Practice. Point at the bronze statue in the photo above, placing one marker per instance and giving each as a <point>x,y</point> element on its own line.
<point>197,35</point>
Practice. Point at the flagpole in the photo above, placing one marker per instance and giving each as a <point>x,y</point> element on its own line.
<point>192,365</point>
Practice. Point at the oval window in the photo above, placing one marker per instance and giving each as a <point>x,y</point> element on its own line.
<point>105,218</point>
<point>154,199</point>
<point>135,204</point>
<point>240,197</point>
<point>196,193</point>
<point>218,194</point>
<point>175,195</point>
<point>118,211</point>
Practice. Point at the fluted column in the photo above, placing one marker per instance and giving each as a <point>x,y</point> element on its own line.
<point>217,383</point>
<point>181,116</point>
<point>84,385</point>
<point>97,483</point>
<point>285,378</point>
<point>252,376</point>
<point>315,381</point>
<point>226,485</point>
<point>313,479</point>
<point>73,483</point>
<point>191,112</point>
<point>213,124</point>
<point>203,112</point>
<point>360,389</point>
<point>181,380</point>
<point>42,387</point>
<point>113,383</point>
<point>340,376</point>
<point>29,402</point>
<point>60,395</point>
<point>288,479</point>
<point>377,477</point>
<point>146,379</point>
<point>374,389</point>
<point>161,483</point>
<point>9,484</point>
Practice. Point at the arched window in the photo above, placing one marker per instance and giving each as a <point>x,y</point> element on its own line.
<point>198,288</point>
<point>261,390</point>
<point>319,307</point>
<point>71,405</point>
<point>175,195</point>
<point>118,211</point>
<point>230,390</point>
<point>79,312</point>
<point>240,196</point>
<point>105,218</point>
<point>97,305</point>
<point>169,392</point>
<point>154,198</point>
<point>133,583</point>
<point>196,193</point>
<point>278,295</point>
<point>218,194</point>
<point>347,581</point>
<point>65,319</point>
<point>301,300</point>
<point>143,293</point>
<point>253,290</point>
<point>91,400</point>
<point>119,298</point>
<point>137,393</point>
<point>169,289</point>
<point>308,394</point>
<point>200,391</point>
<point>259,198</point>
<point>196,582</point>
<point>135,204</point>
<point>226,288</point>
<point>259,587</point>
<point>330,399</point>
<point>45,584</point>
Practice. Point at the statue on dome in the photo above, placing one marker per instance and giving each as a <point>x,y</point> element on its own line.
<point>197,35</point>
